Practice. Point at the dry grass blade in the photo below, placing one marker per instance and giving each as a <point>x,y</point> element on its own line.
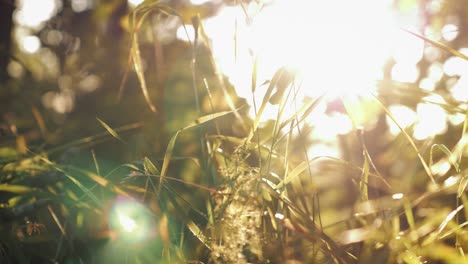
<point>439,45</point>
<point>171,144</point>
<point>110,130</point>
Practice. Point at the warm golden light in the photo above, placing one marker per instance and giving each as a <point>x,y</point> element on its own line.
<point>337,47</point>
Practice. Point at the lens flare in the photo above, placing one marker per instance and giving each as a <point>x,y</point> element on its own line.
<point>127,223</point>
<point>132,222</point>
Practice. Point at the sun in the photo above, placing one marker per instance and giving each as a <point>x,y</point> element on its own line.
<point>337,46</point>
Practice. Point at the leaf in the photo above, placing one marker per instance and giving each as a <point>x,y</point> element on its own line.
<point>439,45</point>
<point>20,189</point>
<point>110,130</point>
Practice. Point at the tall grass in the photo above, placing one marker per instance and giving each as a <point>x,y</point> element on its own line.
<point>253,197</point>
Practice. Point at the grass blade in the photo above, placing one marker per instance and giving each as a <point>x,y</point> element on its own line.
<point>110,130</point>
<point>198,233</point>
<point>462,186</point>
<point>266,98</point>
<point>438,44</point>
<point>150,168</point>
<point>138,65</point>
<point>410,140</point>
<point>452,158</point>
<point>20,189</point>
<point>171,144</point>
<point>448,219</point>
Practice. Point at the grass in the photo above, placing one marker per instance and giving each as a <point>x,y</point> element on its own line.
<point>249,197</point>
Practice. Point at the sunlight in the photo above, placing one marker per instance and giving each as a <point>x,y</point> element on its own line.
<point>127,223</point>
<point>33,13</point>
<point>131,221</point>
<point>335,47</point>
<point>30,44</point>
<point>404,117</point>
<point>135,3</point>
<point>432,118</point>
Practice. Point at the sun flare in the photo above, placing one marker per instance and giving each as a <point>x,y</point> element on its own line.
<point>334,47</point>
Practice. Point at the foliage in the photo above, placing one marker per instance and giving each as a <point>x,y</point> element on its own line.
<point>163,164</point>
